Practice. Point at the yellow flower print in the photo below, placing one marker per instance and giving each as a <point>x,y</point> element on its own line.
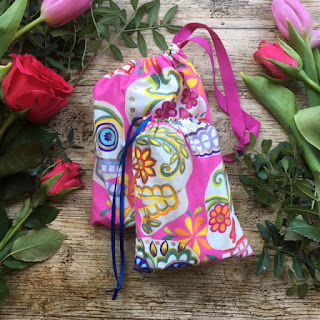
<point>220,218</point>
<point>144,164</point>
<point>194,236</point>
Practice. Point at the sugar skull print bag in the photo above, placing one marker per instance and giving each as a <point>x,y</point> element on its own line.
<point>158,164</point>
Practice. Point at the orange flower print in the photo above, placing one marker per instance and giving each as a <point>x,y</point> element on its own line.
<point>220,218</point>
<point>144,164</point>
<point>194,235</point>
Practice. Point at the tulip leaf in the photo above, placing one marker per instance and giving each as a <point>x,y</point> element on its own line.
<point>277,99</point>
<point>307,121</point>
<point>9,24</point>
<point>37,245</point>
<point>25,156</point>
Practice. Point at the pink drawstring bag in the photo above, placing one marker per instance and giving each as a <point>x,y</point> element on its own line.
<point>158,163</point>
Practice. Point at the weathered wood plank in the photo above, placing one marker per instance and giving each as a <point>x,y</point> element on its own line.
<point>71,284</point>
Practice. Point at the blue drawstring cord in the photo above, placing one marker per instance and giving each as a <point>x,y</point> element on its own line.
<point>122,168</point>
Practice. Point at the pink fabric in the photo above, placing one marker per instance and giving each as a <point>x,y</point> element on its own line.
<point>163,86</point>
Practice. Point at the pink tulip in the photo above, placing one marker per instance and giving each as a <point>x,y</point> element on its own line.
<point>59,12</point>
<point>275,52</point>
<point>295,12</point>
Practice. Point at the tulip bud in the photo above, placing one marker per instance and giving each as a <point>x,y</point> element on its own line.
<point>62,179</point>
<point>295,12</point>
<point>59,12</point>
<point>276,53</point>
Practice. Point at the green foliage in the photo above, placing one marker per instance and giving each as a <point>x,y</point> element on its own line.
<point>280,180</point>
<point>71,46</point>
<point>37,245</point>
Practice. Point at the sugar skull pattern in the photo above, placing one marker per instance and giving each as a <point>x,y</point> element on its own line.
<point>185,203</point>
<point>177,192</point>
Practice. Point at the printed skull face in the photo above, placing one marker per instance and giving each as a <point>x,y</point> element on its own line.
<point>162,166</point>
<point>109,142</point>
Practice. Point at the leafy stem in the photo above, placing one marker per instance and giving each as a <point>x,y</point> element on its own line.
<point>145,28</point>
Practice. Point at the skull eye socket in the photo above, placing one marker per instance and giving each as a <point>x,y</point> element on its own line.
<point>107,136</point>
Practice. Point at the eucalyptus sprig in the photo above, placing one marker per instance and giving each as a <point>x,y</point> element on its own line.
<point>281,181</point>
<point>101,28</point>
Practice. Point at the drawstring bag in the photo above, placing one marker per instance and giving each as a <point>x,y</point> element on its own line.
<point>158,163</point>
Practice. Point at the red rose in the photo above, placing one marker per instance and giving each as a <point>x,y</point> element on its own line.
<point>30,84</point>
<point>62,179</point>
<point>275,52</point>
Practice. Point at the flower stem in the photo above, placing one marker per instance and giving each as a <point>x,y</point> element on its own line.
<point>28,27</point>
<point>316,56</point>
<point>9,121</point>
<point>309,82</point>
<point>14,229</point>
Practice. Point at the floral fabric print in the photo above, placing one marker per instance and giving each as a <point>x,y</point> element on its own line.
<point>177,192</point>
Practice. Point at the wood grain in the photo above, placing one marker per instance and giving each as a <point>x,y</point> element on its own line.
<point>71,285</point>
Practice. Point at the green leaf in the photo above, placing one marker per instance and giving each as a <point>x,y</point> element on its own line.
<point>263,263</point>
<point>15,186</point>
<point>292,276</point>
<point>307,121</point>
<point>134,4</point>
<point>291,291</point>
<point>60,33</point>
<point>253,140</point>
<point>5,251</point>
<point>264,232</point>
<point>263,175</point>
<point>128,40</point>
<point>95,46</point>
<point>274,232</point>
<point>159,40</point>
<point>35,40</point>
<point>305,229</point>
<point>70,136</point>
<point>4,222</point>
<point>22,158</point>
<point>285,164</point>
<point>142,46</point>
<point>299,210</point>
<point>153,14</point>
<point>9,24</point>
<point>173,29</point>
<point>297,267</point>
<point>247,160</point>
<point>278,263</point>
<point>42,216</point>
<point>302,290</point>
<point>169,15</point>
<point>304,190</point>
<point>37,245</point>
<point>116,52</point>
<point>12,263</point>
<point>56,63</point>
<point>4,291</point>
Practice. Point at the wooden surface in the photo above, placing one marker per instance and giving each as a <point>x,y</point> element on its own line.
<point>71,285</point>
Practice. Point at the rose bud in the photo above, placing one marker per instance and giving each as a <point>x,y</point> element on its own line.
<point>59,12</point>
<point>63,178</point>
<point>31,85</point>
<point>295,12</point>
<point>275,52</point>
